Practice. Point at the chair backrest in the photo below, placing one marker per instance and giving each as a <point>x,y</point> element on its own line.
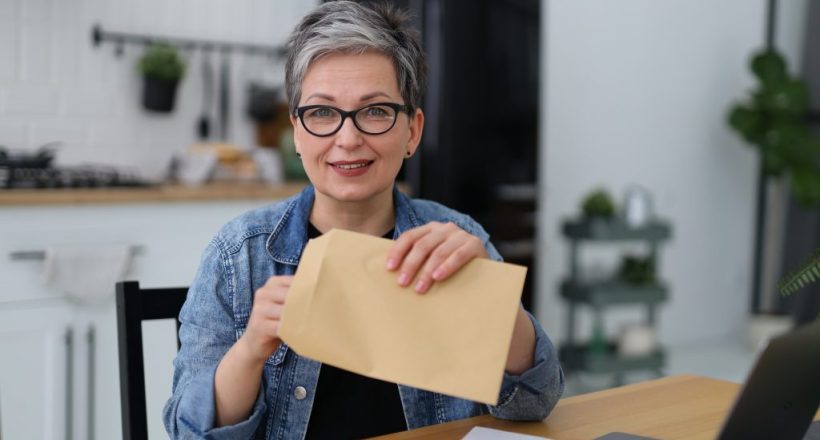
<point>135,305</point>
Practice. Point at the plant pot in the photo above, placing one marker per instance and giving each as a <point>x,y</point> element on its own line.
<point>158,94</point>
<point>762,327</point>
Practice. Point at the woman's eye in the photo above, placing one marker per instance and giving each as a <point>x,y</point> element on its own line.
<point>377,112</point>
<point>321,112</point>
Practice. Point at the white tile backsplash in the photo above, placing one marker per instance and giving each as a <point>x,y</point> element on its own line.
<point>68,42</point>
<point>36,11</point>
<point>54,85</point>
<point>72,135</point>
<point>35,53</point>
<point>34,101</point>
<point>13,134</point>
<point>8,8</point>
<point>90,102</point>
<point>114,132</point>
<point>8,48</point>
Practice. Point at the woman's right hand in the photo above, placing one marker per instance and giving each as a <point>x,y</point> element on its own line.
<point>261,337</point>
<point>238,375</point>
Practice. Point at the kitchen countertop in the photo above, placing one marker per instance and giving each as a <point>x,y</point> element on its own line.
<point>165,193</point>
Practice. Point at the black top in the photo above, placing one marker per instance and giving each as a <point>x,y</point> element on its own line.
<point>350,406</point>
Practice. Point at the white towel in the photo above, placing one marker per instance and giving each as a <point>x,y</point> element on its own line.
<point>86,274</point>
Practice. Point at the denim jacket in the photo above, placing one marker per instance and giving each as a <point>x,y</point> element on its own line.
<point>267,242</point>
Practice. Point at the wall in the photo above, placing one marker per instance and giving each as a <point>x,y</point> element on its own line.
<point>632,91</point>
<point>637,91</point>
<point>55,86</point>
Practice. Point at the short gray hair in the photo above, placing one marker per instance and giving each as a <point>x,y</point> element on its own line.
<point>350,27</point>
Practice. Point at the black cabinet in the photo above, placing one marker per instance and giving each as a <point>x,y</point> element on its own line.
<point>479,151</point>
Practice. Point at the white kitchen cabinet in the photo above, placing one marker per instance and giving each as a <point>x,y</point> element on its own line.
<point>34,341</point>
<point>40,373</point>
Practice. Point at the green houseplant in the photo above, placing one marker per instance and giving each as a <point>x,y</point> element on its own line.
<point>774,120</point>
<point>161,68</point>
<point>598,204</point>
<point>637,270</point>
<point>806,274</point>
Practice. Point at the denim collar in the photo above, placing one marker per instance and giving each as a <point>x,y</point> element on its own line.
<point>290,235</point>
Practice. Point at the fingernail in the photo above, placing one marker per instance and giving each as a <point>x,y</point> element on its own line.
<point>404,279</point>
<point>421,286</point>
<point>391,264</point>
<point>438,274</point>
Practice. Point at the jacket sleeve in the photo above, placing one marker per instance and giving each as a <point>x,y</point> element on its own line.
<point>533,394</point>
<point>206,333</point>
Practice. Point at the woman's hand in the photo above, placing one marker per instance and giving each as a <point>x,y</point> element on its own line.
<point>261,337</point>
<point>432,253</point>
<point>521,356</point>
<point>239,374</point>
<point>435,251</point>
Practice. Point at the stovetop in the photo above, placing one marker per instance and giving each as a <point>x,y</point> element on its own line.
<point>86,176</point>
<point>35,171</point>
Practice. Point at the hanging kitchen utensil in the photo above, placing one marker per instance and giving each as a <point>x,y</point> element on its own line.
<point>224,96</point>
<point>204,124</point>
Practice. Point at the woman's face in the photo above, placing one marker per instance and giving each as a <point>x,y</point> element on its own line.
<point>351,166</point>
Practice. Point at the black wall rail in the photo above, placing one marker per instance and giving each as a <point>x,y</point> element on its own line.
<point>120,39</point>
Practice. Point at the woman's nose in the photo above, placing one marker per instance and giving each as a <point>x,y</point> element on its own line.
<point>349,135</point>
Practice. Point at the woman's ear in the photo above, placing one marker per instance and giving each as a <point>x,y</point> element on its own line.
<point>416,128</point>
<point>294,121</point>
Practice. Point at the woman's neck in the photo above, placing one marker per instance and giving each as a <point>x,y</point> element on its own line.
<point>374,217</point>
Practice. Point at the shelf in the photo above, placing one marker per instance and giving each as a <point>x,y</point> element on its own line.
<point>517,192</point>
<point>578,358</point>
<point>611,292</point>
<point>516,249</point>
<point>615,229</point>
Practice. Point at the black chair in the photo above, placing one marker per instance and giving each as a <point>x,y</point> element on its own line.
<point>135,305</point>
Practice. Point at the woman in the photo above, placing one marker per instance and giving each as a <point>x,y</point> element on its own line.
<point>355,79</point>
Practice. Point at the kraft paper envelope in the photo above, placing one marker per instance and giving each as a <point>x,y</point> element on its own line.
<point>345,309</point>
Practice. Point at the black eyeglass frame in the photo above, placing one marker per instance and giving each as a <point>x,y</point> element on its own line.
<point>398,108</point>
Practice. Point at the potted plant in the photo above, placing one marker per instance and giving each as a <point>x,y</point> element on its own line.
<point>637,270</point>
<point>775,121</point>
<point>161,69</point>
<point>598,204</point>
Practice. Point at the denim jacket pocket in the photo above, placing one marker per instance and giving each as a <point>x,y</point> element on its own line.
<point>278,356</point>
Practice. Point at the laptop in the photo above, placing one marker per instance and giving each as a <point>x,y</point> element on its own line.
<point>782,394</point>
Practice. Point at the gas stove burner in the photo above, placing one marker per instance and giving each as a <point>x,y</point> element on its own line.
<point>75,177</point>
<point>42,158</point>
<point>34,171</point>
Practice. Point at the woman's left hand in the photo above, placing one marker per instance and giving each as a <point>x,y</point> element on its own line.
<point>432,253</point>
<point>435,251</point>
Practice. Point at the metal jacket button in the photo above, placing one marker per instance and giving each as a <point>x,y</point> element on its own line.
<point>300,393</point>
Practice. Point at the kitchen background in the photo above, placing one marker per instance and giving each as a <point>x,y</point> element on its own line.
<point>58,357</point>
<point>624,93</point>
<point>56,86</point>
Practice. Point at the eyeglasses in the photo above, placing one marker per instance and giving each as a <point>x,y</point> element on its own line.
<point>324,120</point>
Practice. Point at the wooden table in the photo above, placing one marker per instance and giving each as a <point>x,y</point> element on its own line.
<point>675,407</point>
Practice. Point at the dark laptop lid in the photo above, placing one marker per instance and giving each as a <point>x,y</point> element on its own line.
<point>782,394</point>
